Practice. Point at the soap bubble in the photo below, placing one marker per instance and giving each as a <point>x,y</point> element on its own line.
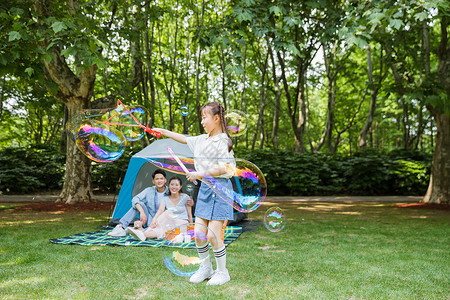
<point>130,122</point>
<point>274,219</point>
<point>179,248</point>
<point>189,187</point>
<point>99,143</point>
<point>101,134</point>
<point>236,122</point>
<point>249,186</point>
<point>184,111</point>
<point>171,165</point>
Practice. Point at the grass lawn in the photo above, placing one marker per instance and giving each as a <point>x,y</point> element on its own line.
<point>326,251</point>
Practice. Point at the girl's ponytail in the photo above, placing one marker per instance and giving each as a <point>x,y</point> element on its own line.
<point>223,121</point>
<point>217,109</point>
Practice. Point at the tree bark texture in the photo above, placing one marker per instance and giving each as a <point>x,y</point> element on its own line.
<point>439,187</point>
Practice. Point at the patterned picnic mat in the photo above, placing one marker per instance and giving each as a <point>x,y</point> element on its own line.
<point>101,238</point>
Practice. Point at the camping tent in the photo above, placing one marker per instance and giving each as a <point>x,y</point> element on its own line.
<point>139,175</point>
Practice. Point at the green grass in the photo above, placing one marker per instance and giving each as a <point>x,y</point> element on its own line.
<point>326,251</point>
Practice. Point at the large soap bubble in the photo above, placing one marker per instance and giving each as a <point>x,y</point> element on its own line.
<point>236,122</point>
<point>249,186</point>
<point>99,143</point>
<point>274,219</point>
<point>101,133</point>
<point>179,248</point>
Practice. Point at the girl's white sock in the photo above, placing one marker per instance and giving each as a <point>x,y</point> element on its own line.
<point>203,254</point>
<point>221,258</point>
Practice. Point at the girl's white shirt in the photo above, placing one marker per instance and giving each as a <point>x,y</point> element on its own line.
<point>211,152</point>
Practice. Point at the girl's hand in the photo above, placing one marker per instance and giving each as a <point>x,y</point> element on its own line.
<point>192,176</point>
<point>190,202</point>
<point>160,130</point>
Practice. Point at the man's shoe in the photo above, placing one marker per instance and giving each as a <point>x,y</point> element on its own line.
<point>138,234</point>
<point>117,231</point>
<point>205,272</point>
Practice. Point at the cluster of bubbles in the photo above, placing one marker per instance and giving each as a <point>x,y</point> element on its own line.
<point>179,248</point>
<point>102,134</point>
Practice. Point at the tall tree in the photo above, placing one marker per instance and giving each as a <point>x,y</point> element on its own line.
<point>64,38</point>
<point>397,22</point>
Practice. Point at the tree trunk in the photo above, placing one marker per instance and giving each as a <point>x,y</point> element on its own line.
<point>78,176</point>
<point>276,113</point>
<point>75,91</point>
<point>2,97</point>
<point>262,98</point>
<point>197,67</point>
<point>297,117</point>
<point>439,187</point>
<point>374,88</point>
<point>148,55</point>
<point>373,99</point>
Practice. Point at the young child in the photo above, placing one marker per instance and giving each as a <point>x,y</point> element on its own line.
<point>212,153</point>
<point>178,213</point>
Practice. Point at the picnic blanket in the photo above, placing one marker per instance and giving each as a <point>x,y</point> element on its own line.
<point>101,238</point>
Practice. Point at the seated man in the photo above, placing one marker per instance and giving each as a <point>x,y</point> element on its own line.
<point>146,203</point>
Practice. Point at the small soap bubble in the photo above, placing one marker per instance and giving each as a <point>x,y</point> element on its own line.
<point>274,219</point>
<point>236,122</point>
<point>184,111</point>
<point>189,187</point>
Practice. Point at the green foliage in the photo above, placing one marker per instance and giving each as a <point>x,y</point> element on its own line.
<point>30,169</point>
<point>364,173</point>
<point>400,172</point>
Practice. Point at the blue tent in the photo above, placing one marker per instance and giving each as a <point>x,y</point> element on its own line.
<point>139,175</point>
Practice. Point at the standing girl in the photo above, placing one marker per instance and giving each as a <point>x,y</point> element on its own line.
<point>212,153</point>
<point>172,212</point>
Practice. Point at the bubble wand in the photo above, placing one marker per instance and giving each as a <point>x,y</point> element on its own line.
<point>179,162</point>
<point>146,128</point>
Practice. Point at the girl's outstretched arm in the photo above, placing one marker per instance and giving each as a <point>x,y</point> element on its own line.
<point>170,134</point>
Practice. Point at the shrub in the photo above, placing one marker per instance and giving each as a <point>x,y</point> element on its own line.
<point>400,172</point>
<point>364,173</point>
<point>30,169</point>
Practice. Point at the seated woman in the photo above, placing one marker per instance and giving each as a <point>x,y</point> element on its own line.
<point>172,212</point>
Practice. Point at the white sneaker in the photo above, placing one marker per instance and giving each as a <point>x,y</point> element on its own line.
<point>117,231</point>
<point>205,272</point>
<point>219,278</point>
<point>138,234</point>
